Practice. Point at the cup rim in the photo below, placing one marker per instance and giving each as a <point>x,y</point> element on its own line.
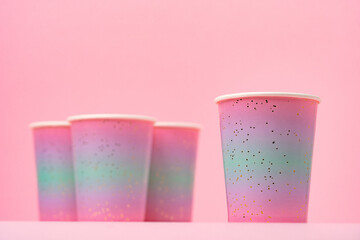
<point>266,94</point>
<point>177,125</point>
<point>49,124</point>
<point>110,116</point>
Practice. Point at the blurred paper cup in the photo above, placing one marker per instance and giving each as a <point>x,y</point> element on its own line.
<point>56,192</point>
<point>267,142</point>
<point>170,192</point>
<point>112,157</point>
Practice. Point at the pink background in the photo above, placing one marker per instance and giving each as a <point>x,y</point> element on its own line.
<point>169,59</point>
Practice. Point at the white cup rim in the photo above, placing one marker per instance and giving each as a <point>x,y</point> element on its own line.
<point>266,94</point>
<point>110,116</point>
<point>49,124</point>
<point>177,125</point>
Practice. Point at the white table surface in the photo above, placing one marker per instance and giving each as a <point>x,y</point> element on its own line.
<point>173,231</point>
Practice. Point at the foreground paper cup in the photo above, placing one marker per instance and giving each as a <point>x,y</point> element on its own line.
<point>267,141</point>
<point>55,173</point>
<point>112,156</point>
<point>170,192</point>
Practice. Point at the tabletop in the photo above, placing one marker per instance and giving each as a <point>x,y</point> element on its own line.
<point>159,231</point>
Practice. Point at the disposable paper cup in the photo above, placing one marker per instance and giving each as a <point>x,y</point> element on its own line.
<point>170,192</point>
<point>112,156</point>
<point>267,141</point>
<point>56,193</point>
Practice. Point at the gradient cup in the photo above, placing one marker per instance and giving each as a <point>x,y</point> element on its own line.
<point>112,157</point>
<point>267,141</point>
<point>55,173</point>
<point>170,191</point>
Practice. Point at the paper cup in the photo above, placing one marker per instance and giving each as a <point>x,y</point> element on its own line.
<point>170,192</point>
<point>55,175</point>
<point>267,141</point>
<point>112,156</point>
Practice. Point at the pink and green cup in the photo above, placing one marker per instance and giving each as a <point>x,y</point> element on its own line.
<point>55,175</point>
<point>267,142</point>
<point>170,191</point>
<point>112,157</point>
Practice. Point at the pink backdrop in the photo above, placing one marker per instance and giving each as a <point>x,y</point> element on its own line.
<point>169,59</point>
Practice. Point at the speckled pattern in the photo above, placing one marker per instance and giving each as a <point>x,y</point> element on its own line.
<point>170,192</point>
<point>267,151</point>
<point>55,174</point>
<point>111,168</point>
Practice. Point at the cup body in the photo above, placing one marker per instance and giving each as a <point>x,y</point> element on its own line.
<point>170,191</point>
<point>55,175</point>
<point>267,144</point>
<point>112,156</point>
